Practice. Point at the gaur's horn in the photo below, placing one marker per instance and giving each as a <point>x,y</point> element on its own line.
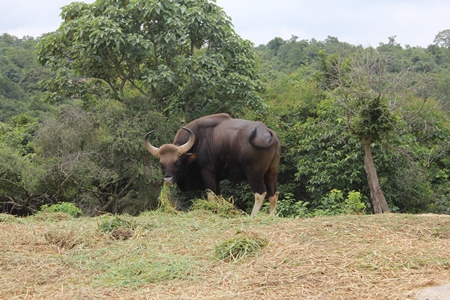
<point>188,145</point>
<point>152,149</point>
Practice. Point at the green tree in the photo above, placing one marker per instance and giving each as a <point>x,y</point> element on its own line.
<point>95,157</point>
<point>18,169</point>
<point>291,99</point>
<point>181,55</point>
<point>443,38</point>
<point>371,98</point>
<point>19,76</point>
<point>327,155</point>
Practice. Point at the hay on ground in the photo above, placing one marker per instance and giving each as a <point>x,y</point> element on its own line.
<point>171,256</point>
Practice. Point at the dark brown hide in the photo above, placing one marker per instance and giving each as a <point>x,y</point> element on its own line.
<point>224,148</point>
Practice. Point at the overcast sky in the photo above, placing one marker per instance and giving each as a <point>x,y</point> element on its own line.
<point>414,23</point>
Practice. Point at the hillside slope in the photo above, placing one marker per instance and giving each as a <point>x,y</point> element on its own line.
<point>172,256</point>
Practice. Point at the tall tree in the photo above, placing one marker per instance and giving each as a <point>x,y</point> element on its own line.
<point>18,170</point>
<point>179,54</point>
<point>372,98</point>
<point>443,38</point>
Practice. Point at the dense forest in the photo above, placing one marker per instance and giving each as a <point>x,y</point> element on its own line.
<point>361,128</point>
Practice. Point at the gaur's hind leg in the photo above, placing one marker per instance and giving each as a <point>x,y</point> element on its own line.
<point>259,198</point>
<point>258,187</point>
<point>270,180</point>
<point>273,203</point>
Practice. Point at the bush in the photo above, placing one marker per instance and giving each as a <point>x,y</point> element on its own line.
<point>353,204</point>
<point>331,205</point>
<point>290,207</point>
<point>335,204</point>
<point>62,207</point>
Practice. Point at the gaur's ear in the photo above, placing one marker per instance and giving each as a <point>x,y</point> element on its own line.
<point>191,157</point>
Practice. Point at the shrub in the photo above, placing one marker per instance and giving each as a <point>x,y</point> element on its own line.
<point>353,204</point>
<point>290,207</point>
<point>62,207</point>
<point>332,204</point>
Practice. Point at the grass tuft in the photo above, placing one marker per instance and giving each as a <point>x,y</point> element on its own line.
<point>117,228</point>
<point>134,273</point>
<point>51,216</point>
<point>64,239</point>
<point>5,218</point>
<point>217,205</point>
<point>236,248</point>
<point>166,200</point>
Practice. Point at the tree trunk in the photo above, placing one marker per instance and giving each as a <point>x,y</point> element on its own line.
<point>376,193</point>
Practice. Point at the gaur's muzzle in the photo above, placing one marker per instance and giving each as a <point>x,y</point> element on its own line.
<point>168,180</point>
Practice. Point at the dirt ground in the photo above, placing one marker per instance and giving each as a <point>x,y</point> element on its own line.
<point>389,256</point>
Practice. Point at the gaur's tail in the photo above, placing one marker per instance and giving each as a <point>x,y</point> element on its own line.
<point>262,138</point>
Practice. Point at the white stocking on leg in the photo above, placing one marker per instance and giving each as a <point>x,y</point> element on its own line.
<point>258,202</point>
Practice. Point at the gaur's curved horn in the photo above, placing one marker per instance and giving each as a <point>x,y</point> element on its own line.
<point>188,145</point>
<point>152,149</point>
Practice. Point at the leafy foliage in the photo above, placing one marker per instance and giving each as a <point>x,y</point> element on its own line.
<point>290,207</point>
<point>19,77</point>
<point>328,156</point>
<point>443,38</point>
<point>323,138</point>
<point>335,204</point>
<point>20,172</point>
<point>116,69</point>
<point>65,207</point>
<point>183,56</point>
<point>331,204</point>
<point>93,157</point>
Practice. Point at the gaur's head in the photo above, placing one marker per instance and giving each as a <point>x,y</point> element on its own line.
<point>171,157</point>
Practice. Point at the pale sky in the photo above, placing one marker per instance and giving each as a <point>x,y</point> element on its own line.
<point>357,22</point>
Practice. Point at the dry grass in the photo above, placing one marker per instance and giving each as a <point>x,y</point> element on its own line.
<point>171,256</point>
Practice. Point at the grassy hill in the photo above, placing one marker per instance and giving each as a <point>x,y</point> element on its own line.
<point>201,255</point>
